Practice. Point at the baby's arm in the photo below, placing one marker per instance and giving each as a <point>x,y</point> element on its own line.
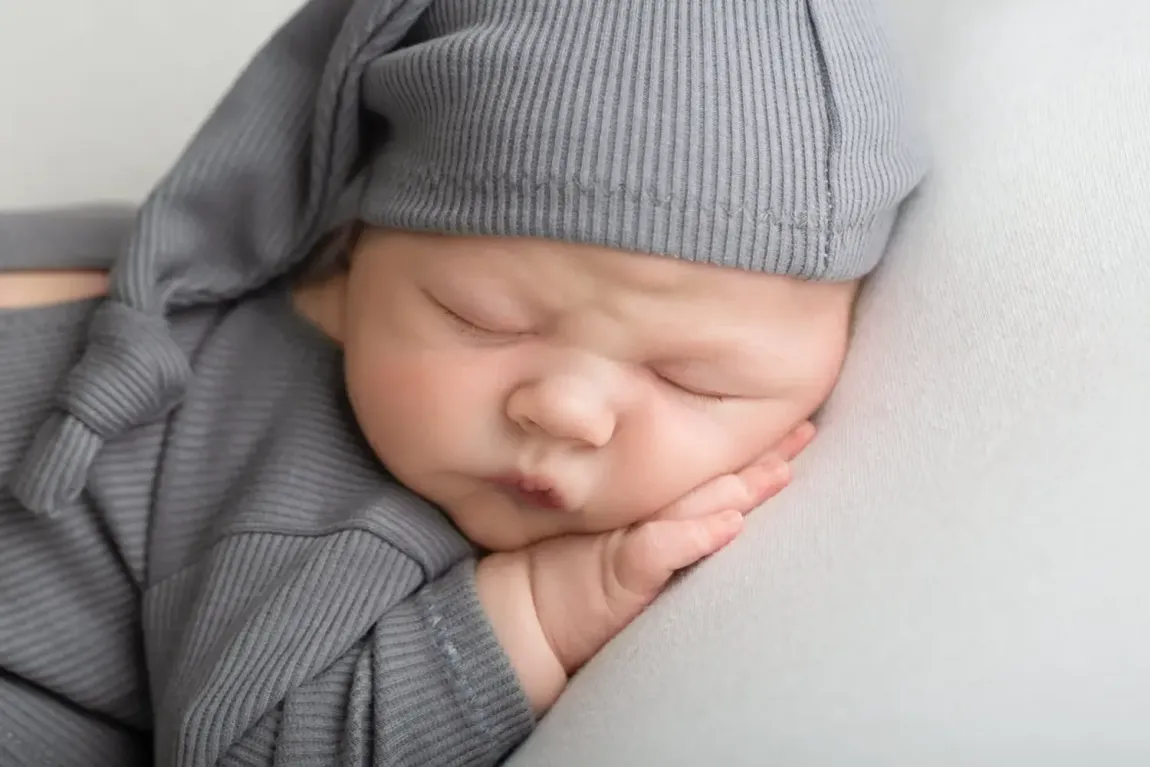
<point>334,648</point>
<point>328,649</point>
<point>555,605</point>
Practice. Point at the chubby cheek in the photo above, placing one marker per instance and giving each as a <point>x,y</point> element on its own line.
<point>667,451</point>
<point>675,450</point>
<point>412,409</point>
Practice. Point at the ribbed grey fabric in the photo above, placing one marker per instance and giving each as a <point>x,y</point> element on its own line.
<point>759,135</point>
<point>241,583</point>
<point>80,237</point>
<point>72,686</point>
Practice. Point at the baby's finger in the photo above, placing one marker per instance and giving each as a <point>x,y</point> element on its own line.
<point>650,554</point>
<point>794,443</point>
<point>741,492</point>
<point>764,478</point>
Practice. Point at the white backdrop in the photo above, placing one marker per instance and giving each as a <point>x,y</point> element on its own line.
<point>97,97</point>
<point>959,576</point>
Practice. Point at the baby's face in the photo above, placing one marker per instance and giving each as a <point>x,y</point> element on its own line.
<point>534,388</point>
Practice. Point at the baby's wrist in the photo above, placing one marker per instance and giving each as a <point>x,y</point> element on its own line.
<point>504,586</point>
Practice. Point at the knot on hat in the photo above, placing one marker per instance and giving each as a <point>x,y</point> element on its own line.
<point>131,373</point>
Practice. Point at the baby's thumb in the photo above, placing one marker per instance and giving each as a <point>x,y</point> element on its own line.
<point>649,555</point>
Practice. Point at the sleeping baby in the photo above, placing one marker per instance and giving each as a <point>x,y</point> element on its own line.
<point>457,331</point>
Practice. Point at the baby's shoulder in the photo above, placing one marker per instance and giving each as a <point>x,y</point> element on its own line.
<point>265,442</point>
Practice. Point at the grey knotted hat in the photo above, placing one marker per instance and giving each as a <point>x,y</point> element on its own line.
<point>768,135</point>
<point>760,134</point>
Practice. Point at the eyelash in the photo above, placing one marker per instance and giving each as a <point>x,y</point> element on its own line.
<point>471,328</point>
<point>707,398</point>
<point>466,325</point>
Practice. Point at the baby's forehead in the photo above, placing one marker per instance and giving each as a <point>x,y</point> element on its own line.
<point>557,265</point>
<point>571,276</point>
<point>668,285</point>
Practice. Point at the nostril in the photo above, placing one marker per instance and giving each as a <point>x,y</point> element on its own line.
<point>563,408</point>
<point>530,426</point>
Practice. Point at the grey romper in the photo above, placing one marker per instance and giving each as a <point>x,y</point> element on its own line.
<point>242,579</point>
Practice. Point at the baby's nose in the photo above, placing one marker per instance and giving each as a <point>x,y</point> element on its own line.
<point>564,408</point>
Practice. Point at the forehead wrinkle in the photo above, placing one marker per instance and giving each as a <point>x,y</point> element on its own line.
<point>650,274</point>
<point>655,296</point>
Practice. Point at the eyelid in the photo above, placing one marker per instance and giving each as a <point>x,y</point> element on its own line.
<point>705,395</point>
<point>467,322</point>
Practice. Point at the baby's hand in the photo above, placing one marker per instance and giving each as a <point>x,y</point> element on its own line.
<point>764,478</point>
<point>556,603</point>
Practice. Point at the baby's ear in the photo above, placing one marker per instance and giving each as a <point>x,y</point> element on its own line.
<point>351,235</point>
<point>332,254</point>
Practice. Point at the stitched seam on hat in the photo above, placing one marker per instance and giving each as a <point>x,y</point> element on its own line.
<point>413,181</point>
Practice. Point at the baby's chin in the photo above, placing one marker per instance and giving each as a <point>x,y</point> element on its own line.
<point>494,527</point>
<point>495,523</point>
<point>494,538</point>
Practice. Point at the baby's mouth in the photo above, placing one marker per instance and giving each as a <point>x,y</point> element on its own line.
<point>534,491</point>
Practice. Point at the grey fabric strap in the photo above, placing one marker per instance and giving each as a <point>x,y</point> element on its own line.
<point>76,237</point>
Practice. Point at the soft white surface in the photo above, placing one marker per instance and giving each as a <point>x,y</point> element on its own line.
<point>961,574</point>
<point>97,97</point>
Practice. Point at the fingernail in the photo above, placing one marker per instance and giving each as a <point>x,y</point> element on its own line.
<point>772,478</point>
<point>731,520</point>
<point>768,471</point>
